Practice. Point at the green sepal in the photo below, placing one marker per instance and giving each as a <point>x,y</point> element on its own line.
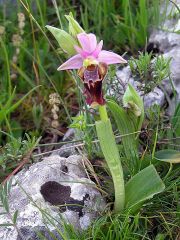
<point>65,40</point>
<point>74,27</point>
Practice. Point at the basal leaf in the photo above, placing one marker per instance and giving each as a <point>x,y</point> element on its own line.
<point>143,186</point>
<point>168,155</point>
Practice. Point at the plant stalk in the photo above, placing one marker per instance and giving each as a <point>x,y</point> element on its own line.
<point>103,112</point>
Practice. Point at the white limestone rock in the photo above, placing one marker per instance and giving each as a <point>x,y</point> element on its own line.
<point>50,185</point>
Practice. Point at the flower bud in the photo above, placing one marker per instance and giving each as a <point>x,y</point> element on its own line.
<point>55,108</point>
<point>135,105</point>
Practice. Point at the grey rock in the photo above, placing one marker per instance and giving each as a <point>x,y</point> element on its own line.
<point>66,150</point>
<point>174,54</point>
<point>166,37</point>
<point>29,233</point>
<point>56,188</point>
<point>69,134</point>
<point>118,87</point>
<point>164,40</point>
<point>155,97</point>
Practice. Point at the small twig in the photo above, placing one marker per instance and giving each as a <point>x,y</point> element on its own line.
<point>82,144</point>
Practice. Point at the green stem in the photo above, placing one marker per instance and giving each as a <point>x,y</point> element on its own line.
<point>111,154</point>
<point>103,112</point>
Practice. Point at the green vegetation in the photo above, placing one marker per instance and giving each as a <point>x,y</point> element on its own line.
<point>38,104</point>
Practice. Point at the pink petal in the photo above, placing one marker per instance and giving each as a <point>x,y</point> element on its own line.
<point>87,41</point>
<point>98,49</point>
<point>110,58</point>
<point>81,52</point>
<point>74,62</point>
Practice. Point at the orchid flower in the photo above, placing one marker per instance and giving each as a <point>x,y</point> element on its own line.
<point>91,61</point>
<point>90,52</point>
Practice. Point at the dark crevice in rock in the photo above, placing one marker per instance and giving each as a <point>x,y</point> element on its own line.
<point>76,205</point>
<point>59,195</point>
<point>153,47</point>
<point>64,168</point>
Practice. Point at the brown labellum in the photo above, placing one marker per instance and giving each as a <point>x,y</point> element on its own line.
<point>92,77</point>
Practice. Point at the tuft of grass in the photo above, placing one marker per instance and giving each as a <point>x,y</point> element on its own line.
<point>32,69</point>
<point>121,24</point>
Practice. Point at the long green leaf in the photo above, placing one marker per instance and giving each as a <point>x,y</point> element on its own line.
<point>143,186</point>
<point>3,213</point>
